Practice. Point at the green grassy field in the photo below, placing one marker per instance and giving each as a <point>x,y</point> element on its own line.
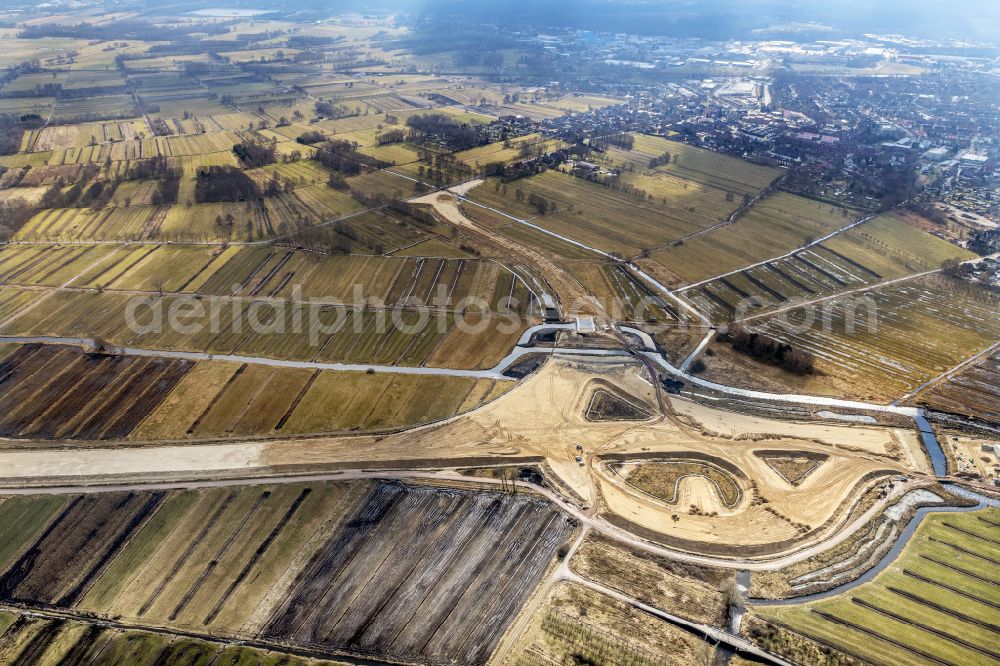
<point>935,604</point>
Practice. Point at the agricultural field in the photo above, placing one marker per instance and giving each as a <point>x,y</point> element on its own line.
<point>57,393</point>
<point>224,399</point>
<point>318,333</point>
<point>689,592</point>
<point>101,106</point>
<point>689,163</point>
<point>777,224</point>
<point>124,224</point>
<point>581,103</point>
<point>83,134</point>
<point>576,624</point>
<point>508,151</point>
<point>259,302</point>
<point>252,562</point>
<point>359,280</point>
<point>876,251</point>
<point>975,391</point>
<point>619,291</point>
<point>888,341</point>
<point>591,214</point>
<point>32,639</point>
<point>462,621</point>
<point>332,337</point>
<point>934,604</point>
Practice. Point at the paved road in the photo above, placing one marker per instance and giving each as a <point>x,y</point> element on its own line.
<point>495,372</point>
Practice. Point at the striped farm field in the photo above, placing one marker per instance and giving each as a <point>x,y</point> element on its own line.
<point>268,330</point>
<point>51,265</point>
<point>55,392</point>
<point>593,214</point>
<point>58,392</point>
<point>694,164</point>
<point>132,223</point>
<point>936,604</point>
<point>240,562</point>
<point>902,335</point>
<point>876,251</point>
<point>975,391</point>
<point>775,225</point>
<point>223,399</point>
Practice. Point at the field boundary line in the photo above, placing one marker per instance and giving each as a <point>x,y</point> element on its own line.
<point>819,240</point>
<point>947,374</point>
<point>38,301</point>
<point>839,294</point>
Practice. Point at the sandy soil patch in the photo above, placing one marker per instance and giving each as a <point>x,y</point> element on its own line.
<point>699,492</point>
<point>464,188</point>
<point>729,424</point>
<point>132,461</point>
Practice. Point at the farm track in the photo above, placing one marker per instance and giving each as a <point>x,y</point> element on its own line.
<point>569,291</point>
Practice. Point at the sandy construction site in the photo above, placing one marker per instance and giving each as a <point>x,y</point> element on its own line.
<point>545,420</point>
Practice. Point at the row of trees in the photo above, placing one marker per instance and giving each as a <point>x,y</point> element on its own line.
<point>620,139</point>
<point>768,350</point>
<point>12,128</point>
<point>662,160</point>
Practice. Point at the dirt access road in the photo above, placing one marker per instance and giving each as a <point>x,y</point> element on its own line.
<point>571,294</point>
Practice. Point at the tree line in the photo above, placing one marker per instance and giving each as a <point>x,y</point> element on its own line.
<point>768,350</point>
